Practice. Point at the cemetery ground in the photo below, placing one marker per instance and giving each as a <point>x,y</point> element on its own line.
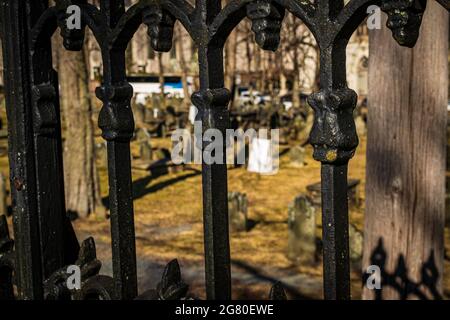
<point>168,222</point>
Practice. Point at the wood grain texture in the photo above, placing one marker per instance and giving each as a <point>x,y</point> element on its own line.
<point>405,191</point>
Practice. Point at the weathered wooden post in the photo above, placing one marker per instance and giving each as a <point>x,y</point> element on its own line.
<point>405,185</point>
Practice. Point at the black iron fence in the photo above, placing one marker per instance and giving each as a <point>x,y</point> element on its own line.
<point>45,241</point>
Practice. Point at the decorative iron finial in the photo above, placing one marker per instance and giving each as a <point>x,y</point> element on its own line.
<point>404,19</point>
<point>212,105</point>
<point>160,27</point>
<point>116,118</point>
<point>172,286</point>
<point>73,39</point>
<point>266,19</point>
<point>333,134</point>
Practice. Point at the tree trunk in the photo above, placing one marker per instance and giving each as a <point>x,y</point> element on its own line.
<point>81,177</point>
<point>405,188</point>
<point>184,67</point>
<point>129,58</point>
<point>230,59</point>
<point>296,81</point>
<point>161,79</point>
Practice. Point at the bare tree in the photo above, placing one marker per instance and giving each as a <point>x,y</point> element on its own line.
<point>81,178</point>
<point>183,65</point>
<point>161,79</point>
<point>297,46</point>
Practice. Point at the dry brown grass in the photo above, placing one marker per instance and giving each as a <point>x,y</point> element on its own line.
<point>169,219</point>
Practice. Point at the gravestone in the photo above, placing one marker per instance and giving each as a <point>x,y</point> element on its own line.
<point>3,196</point>
<point>353,196</point>
<point>139,113</point>
<point>356,240</point>
<point>261,158</point>
<point>171,118</point>
<point>302,227</point>
<point>297,156</point>
<point>237,211</point>
<point>142,134</point>
<point>237,152</point>
<point>305,130</point>
<point>145,150</point>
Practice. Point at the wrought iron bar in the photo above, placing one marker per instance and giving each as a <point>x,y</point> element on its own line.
<point>334,139</point>
<point>117,124</point>
<point>336,268</point>
<point>28,271</point>
<point>212,101</point>
<point>445,4</point>
<point>58,243</point>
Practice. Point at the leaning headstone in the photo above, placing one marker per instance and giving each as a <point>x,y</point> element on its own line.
<point>356,239</point>
<point>145,150</point>
<point>237,211</point>
<point>3,196</point>
<point>142,134</point>
<point>352,191</point>
<point>237,152</point>
<point>139,113</point>
<point>305,130</point>
<point>302,226</point>
<point>297,156</point>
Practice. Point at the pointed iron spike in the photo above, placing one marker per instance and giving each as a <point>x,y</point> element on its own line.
<point>171,286</point>
<point>171,274</point>
<point>277,292</point>
<point>87,251</point>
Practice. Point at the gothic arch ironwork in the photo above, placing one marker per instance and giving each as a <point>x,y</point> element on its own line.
<point>45,242</point>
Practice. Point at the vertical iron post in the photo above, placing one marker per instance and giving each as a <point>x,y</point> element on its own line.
<point>117,124</point>
<point>212,101</point>
<point>28,268</point>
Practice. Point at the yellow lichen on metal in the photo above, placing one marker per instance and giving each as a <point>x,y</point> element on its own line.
<point>331,155</point>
